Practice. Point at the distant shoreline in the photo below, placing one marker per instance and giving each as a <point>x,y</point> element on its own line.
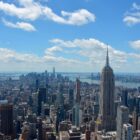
<point>128,80</point>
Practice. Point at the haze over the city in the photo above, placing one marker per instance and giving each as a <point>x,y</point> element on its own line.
<point>71,35</point>
<point>69,70</point>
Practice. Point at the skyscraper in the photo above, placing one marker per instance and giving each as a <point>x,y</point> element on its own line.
<point>136,113</point>
<point>77,112</point>
<point>37,84</point>
<point>60,97</point>
<point>78,96</point>
<point>122,117</point>
<point>60,106</point>
<point>6,119</point>
<point>41,98</point>
<point>71,97</point>
<point>107,108</point>
<point>53,72</point>
<point>124,97</point>
<point>138,105</point>
<point>127,132</point>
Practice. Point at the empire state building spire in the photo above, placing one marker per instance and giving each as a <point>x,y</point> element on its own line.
<point>107,58</point>
<point>107,106</point>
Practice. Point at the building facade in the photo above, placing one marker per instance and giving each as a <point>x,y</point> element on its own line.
<point>122,117</point>
<point>6,119</point>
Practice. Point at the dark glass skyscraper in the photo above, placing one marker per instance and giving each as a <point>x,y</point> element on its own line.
<point>37,84</point>
<point>41,99</point>
<point>124,97</point>
<point>71,97</point>
<point>6,119</point>
<point>107,108</point>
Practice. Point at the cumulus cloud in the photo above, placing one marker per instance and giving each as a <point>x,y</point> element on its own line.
<point>20,25</point>
<point>93,52</point>
<point>92,49</point>
<point>28,9</point>
<point>61,60</point>
<point>135,44</point>
<point>84,55</point>
<point>79,17</point>
<point>31,10</point>
<point>52,50</point>
<point>132,17</point>
<point>7,55</point>
<point>11,60</point>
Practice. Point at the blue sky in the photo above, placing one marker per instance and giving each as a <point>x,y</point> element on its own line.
<point>71,35</point>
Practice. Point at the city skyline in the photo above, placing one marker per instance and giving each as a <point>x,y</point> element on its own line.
<point>72,36</point>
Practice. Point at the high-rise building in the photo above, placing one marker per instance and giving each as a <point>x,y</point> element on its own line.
<point>107,108</point>
<point>37,84</point>
<point>135,120</point>
<point>136,114</point>
<point>41,99</point>
<point>138,105</point>
<point>77,112</point>
<point>60,116</point>
<point>35,102</point>
<point>6,118</point>
<point>78,96</point>
<point>122,117</point>
<point>87,133</point>
<point>53,72</point>
<point>71,97</point>
<point>124,97</point>
<point>39,126</point>
<point>77,115</point>
<point>60,97</point>
<point>61,113</point>
<point>127,132</point>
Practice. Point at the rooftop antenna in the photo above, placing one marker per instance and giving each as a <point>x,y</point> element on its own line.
<point>107,57</point>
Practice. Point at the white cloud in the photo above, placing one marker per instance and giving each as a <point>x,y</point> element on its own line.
<point>61,60</point>
<point>135,44</point>
<point>79,17</point>
<point>84,55</point>
<point>136,6</point>
<point>7,55</point>
<point>133,16</point>
<point>94,52</point>
<point>92,49</point>
<point>29,10</point>
<point>32,10</point>
<point>130,20</point>
<point>11,60</point>
<point>20,25</point>
<point>52,50</point>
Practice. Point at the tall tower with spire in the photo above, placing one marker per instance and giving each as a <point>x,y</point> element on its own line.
<point>107,58</point>
<point>107,110</point>
<point>77,112</point>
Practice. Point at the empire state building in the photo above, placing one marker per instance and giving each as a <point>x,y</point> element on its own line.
<point>107,110</point>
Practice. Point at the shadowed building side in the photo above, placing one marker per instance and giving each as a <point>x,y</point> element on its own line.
<point>6,119</point>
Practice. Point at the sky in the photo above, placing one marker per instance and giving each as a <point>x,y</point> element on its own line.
<point>72,35</point>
